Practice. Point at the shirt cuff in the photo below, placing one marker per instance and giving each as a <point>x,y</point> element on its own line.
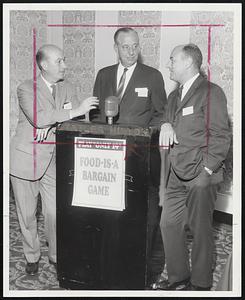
<point>210,172</point>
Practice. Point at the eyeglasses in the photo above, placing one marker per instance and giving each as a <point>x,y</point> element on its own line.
<point>126,47</point>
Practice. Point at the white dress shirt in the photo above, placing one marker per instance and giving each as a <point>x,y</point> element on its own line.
<point>129,73</point>
<point>187,85</point>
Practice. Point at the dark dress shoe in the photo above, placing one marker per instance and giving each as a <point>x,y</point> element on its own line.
<point>53,263</point>
<point>159,280</point>
<point>32,268</point>
<point>192,287</point>
<point>177,286</point>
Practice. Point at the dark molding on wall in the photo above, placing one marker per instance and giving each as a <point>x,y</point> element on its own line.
<point>222,217</point>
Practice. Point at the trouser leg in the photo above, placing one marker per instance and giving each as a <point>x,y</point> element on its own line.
<point>26,195</point>
<point>153,228</point>
<point>201,200</point>
<point>48,196</point>
<point>153,215</point>
<point>173,221</point>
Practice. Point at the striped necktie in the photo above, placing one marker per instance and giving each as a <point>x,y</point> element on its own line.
<point>53,86</point>
<point>121,84</point>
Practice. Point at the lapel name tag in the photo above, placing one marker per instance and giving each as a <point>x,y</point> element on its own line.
<point>142,92</point>
<point>187,111</point>
<point>67,105</point>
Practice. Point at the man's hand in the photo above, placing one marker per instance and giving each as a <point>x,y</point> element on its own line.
<point>167,136</point>
<point>84,107</point>
<point>41,134</point>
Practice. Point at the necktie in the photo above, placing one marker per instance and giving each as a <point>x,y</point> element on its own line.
<point>121,84</point>
<point>180,89</point>
<point>53,86</point>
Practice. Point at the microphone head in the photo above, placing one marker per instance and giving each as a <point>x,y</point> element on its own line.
<point>111,106</point>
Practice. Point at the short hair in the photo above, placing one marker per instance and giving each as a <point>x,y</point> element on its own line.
<point>42,53</point>
<point>40,56</point>
<point>125,30</point>
<point>195,53</point>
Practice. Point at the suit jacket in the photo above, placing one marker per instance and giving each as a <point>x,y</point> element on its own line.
<point>49,112</point>
<point>202,129</point>
<point>134,109</point>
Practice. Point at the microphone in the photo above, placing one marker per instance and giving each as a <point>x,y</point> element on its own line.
<point>111,108</point>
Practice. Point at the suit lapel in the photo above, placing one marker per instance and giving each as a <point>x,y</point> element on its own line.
<point>44,90</point>
<point>190,93</point>
<point>131,82</point>
<point>172,105</point>
<point>114,80</point>
<point>60,95</point>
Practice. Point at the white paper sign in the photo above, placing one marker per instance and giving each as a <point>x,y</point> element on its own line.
<point>99,173</point>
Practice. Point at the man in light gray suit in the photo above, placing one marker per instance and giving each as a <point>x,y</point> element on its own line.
<point>43,105</point>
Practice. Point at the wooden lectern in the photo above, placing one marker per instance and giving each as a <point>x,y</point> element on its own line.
<point>99,248</point>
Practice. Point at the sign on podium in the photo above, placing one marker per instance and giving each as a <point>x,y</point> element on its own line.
<point>99,173</point>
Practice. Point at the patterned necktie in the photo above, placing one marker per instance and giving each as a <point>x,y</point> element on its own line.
<point>121,84</point>
<point>53,86</point>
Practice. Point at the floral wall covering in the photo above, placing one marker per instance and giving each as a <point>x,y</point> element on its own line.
<point>149,36</point>
<point>21,53</point>
<point>79,50</point>
<point>221,48</point>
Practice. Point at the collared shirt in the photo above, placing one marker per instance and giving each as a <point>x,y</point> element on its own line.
<point>48,84</point>
<point>129,73</point>
<point>51,91</point>
<point>187,85</point>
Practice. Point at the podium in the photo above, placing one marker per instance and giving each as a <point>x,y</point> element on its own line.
<point>103,249</point>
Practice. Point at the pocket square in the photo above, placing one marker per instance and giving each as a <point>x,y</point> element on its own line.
<point>142,92</point>
<point>187,111</point>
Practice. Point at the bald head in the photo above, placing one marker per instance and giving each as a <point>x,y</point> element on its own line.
<point>185,62</point>
<point>191,50</point>
<point>51,62</point>
<point>43,53</point>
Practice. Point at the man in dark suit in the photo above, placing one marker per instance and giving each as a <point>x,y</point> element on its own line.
<point>198,137</point>
<point>43,104</point>
<point>142,97</point>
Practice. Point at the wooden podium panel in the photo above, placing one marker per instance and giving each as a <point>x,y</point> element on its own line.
<point>100,248</point>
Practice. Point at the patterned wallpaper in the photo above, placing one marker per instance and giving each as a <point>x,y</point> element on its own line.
<point>79,50</point>
<point>149,37</point>
<point>21,52</point>
<point>221,65</point>
<point>221,48</point>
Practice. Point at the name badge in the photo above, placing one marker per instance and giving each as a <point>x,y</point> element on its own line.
<point>142,92</point>
<point>67,105</point>
<point>187,111</point>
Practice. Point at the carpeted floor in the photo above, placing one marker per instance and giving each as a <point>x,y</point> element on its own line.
<point>46,279</point>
